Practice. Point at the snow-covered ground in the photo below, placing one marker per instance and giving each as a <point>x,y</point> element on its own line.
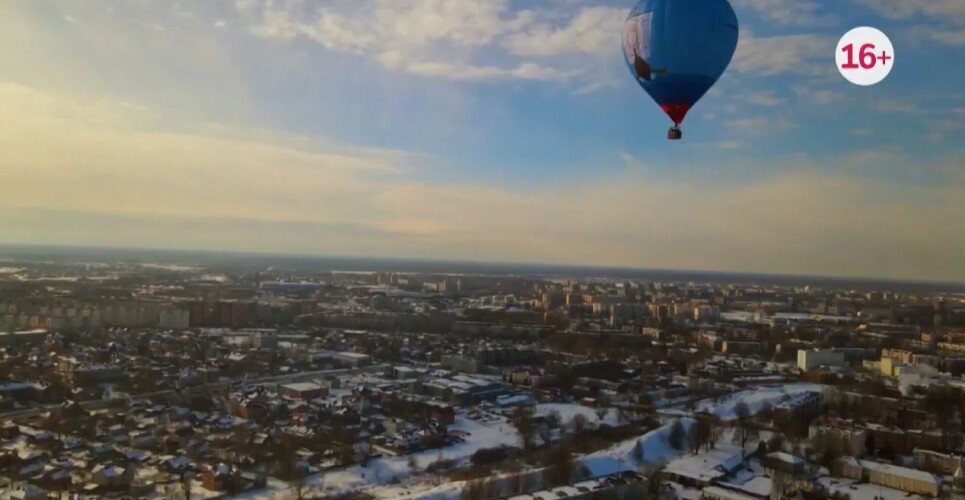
<point>568,412</point>
<point>383,470</point>
<point>756,399</point>
<point>411,483</point>
<point>621,456</point>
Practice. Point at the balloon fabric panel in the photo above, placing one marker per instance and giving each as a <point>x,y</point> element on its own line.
<point>677,49</point>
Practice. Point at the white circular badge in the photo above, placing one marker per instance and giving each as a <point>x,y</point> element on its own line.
<point>865,56</point>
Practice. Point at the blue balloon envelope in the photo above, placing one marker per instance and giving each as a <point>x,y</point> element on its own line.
<point>677,49</point>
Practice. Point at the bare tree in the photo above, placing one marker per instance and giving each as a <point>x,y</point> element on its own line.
<point>746,428</point>
<point>579,424</point>
<point>474,490</point>
<point>677,435</point>
<point>186,485</point>
<point>298,484</point>
<point>601,414</point>
<point>701,432</point>
<point>637,453</point>
<point>526,427</point>
<point>560,466</point>
<point>716,431</point>
<point>776,442</point>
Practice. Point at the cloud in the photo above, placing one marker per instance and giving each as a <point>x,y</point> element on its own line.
<point>933,33</point>
<point>939,129</point>
<point>423,37</point>
<point>447,38</point>
<point>822,97</point>
<point>591,32</point>
<point>115,49</point>
<point>897,106</point>
<point>783,54</point>
<point>765,98</point>
<point>525,71</point>
<point>946,10</point>
<point>99,172</point>
<point>107,156</point>
<point>787,12</point>
<point>760,124</point>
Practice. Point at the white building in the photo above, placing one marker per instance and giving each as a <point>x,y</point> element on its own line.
<point>354,359</point>
<point>813,358</point>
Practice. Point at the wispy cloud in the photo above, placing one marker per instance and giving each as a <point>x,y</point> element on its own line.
<point>818,96</point>
<point>131,184</point>
<point>774,55</point>
<point>591,32</point>
<point>788,12</point>
<point>442,38</point>
<point>765,98</point>
<point>761,124</point>
<point>935,33</point>
<point>948,10</point>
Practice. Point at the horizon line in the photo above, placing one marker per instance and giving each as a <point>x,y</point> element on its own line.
<point>560,266</point>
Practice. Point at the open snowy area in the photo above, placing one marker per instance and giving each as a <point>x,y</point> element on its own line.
<point>756,399</point>
<point>569,411</point>
<point>394,477</point>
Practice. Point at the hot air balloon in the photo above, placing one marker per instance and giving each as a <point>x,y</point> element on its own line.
<point>677,49</point>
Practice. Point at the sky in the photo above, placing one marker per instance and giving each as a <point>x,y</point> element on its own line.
<point>493,130</point>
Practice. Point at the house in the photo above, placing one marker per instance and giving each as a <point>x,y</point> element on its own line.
<point>805,405</point>
<point>533,377</point>
<point>786,463</point>
<point>441,412</point>
<point>221,477</point>
<point>303,390</point>
<point>892,476</point>
<point>702,470</point>
<point>27,491</point>
<point>112,477</point>
<point>901,478</point>
<point>619,486</point>
<point>353,359</point>
<point>855,439</point>
<point>938,463</point>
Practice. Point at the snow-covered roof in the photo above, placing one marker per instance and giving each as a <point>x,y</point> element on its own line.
<point>905,472</point>
<point>786,458</point>
<point>725,494</point>
<point>354,355</point>
<point>302,387</point>
<point>708,466</point>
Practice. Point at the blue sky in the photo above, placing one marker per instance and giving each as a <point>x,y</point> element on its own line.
<point>496,130</point>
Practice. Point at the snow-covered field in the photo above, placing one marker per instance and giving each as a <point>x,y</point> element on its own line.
<point>621,456</point>
<point>568,412</point>
<point>383,470</point>
<point>756,399</point>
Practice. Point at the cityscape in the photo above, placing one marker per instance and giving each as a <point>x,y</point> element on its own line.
<point>196,376</point>
<point>482,250</point>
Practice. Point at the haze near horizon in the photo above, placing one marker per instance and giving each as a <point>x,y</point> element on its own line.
<point>484,131</point>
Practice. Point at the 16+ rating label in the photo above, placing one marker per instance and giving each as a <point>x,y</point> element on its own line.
<point>865,56</point>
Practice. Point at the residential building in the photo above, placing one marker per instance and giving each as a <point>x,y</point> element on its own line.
<point>809,359</point>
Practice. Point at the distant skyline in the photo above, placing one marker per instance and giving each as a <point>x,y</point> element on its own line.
<point>504,131</point>
<point>236,261</point>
